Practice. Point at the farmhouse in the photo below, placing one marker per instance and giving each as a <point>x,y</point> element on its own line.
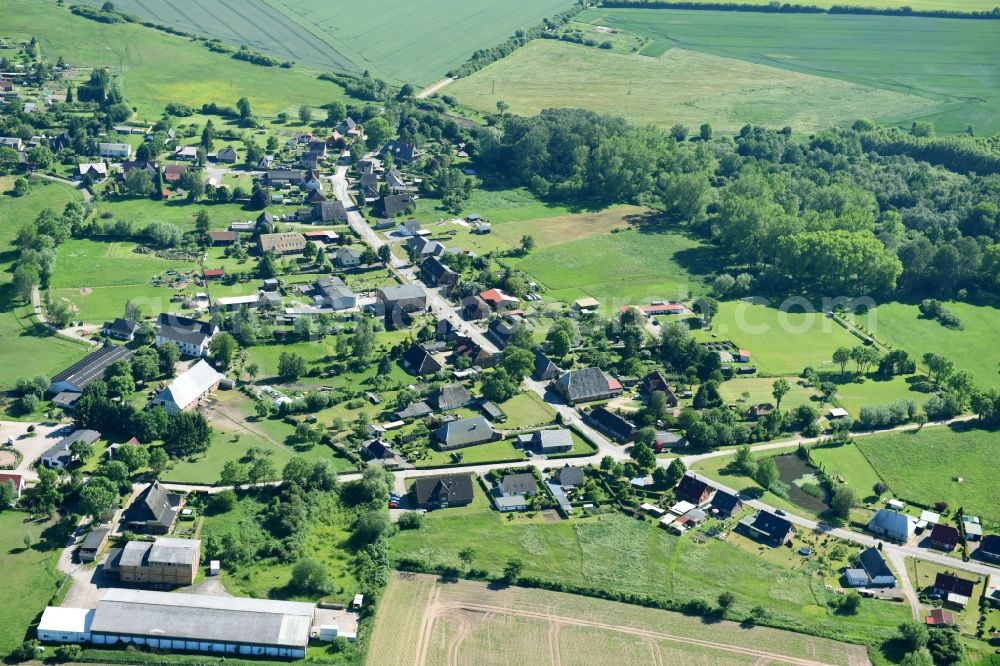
<point>165,562</point>
<point>61,455</point>
<point>154,510</point>
<point>892,526</point>
<point>401,298</point>
<point>93,544</point>
<point>694,490</point>
<point>586,385</point>
<point>119,150</point>
<point>419,361</point>
<point>191,335</point>
<point>612,425</point>
<point>174,621</point>
<point>545,368</point>
<point>451,396</point>
<point>464,432</point>
<point>329,211</point>
<point>282,244</point>
<point>76,377</point>
<point>15,480</point>
<point>440,492</point>
<point>945,537</point>
<point>767,528</point>
<point>953,590</point>
<point>184,392</point>
<point>334,293</point>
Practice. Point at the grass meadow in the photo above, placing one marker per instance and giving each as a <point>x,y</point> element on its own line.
<point>620,554</point>
<point>30,576</point>
<point>687,85</point>
<point>922,467</point>
<point>157,68</point>
<point>947,60</point>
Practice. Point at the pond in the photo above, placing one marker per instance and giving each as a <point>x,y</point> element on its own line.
<point>796,472</point>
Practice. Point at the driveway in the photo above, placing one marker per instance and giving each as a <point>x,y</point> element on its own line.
<point>32,445</point>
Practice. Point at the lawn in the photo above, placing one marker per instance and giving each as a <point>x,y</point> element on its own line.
<point>973,348</point>
<point>780,342</point>
<point>618,554</point>
<point>948,60</point>
<point>621,268</point>
<point>847,462</point>
<point>167,68</point>
<point>177,212</point>
<point>854,395</point>
<point>86,263</point>
<point>427,40</point>
<point>499,451</point>
<point>682,85</point>
<point>760,390</point>
<point>923,467</point>
<point>30,577</point>
<point>525,410</point>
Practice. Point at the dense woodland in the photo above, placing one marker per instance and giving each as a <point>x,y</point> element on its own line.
<point>865,210</point>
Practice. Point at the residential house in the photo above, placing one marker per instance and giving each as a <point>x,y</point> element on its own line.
<point>347,127</point>
<point>93,543</point>
<point>365,167</point>
<point>451,396</point>
<point>223,238</point>
<point>436,274</point>
<point>394,179</point>
<point>265,163</point>
<point>227,155</point>
<point>953,590</point>
<point>282,244</point>
<point>117,150</point>
<point>767,528</point>
<point>348,257</point>
<point>441,492</point>
<point>414,410</point>
<point>379,452</point>
<point>476,353</point>
<point>618,428</point>
<point>128,167</point>
<point>571,477</point>
<point>395,205</point>
<point>420,362</point>
<point>655,381</point>
<point>184,393</point>
<point>409,228</point>
<point>12,142</point>
<point>945,537</point>
<point>97,171</point>
<point>165,562</point>
<point>15,480</point>
<point>586,385</point>
<point>694,490</point>
<point>878,572</point>
<point>725,505</point>
<point>545,369</point>
<point>989,548</point>
<point>402,153</point>
<point>759,411</point>
<point>191,335</point>
<point>475,308</point>
<point>482,228</point>
<point>186,153</point>
<point>76,377</point>
<point>213,273</point>
<point>173,173</point>
<point>61,455</point>
<point>121,329</point>
<point>368,186</point>
<point>492,411</point>
<point>154,510</point>
<point>498,300</point>
<point>329,212</point>
<point>332,292</point>
<point>282,177</point>
<point>892,526</point>
<point>464,432</point>
<point>384,224</point>
<point>522,483</point>
<point>501,329</point>
<point>401,298</point>
<point>939,617</point>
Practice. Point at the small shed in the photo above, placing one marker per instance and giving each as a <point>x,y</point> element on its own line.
<point>214,568</point>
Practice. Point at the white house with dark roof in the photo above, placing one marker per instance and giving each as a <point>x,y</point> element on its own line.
<point>191,335</point>
<point>119,150</point>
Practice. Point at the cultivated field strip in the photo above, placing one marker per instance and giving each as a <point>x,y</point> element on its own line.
<point>465,622</point>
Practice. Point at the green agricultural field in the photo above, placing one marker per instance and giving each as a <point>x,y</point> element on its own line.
<point>852,396</point>
<point>627,267</point>
<point>947,60</point>
<point>847,462</point>
<point>780,343</point>
<point>408,42</point>
<point>619,554</point>
<point>181,214</point>
<point>680,85</point>
<point>30,578</point>
<point>157,68</point>
<point>760,389</point>
<point>973,348</point>
<point>923,466</point>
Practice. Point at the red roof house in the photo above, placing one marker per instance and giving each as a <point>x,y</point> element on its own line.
<point>16,479</point>
<point>214,273</point>
<point>499,300</point>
